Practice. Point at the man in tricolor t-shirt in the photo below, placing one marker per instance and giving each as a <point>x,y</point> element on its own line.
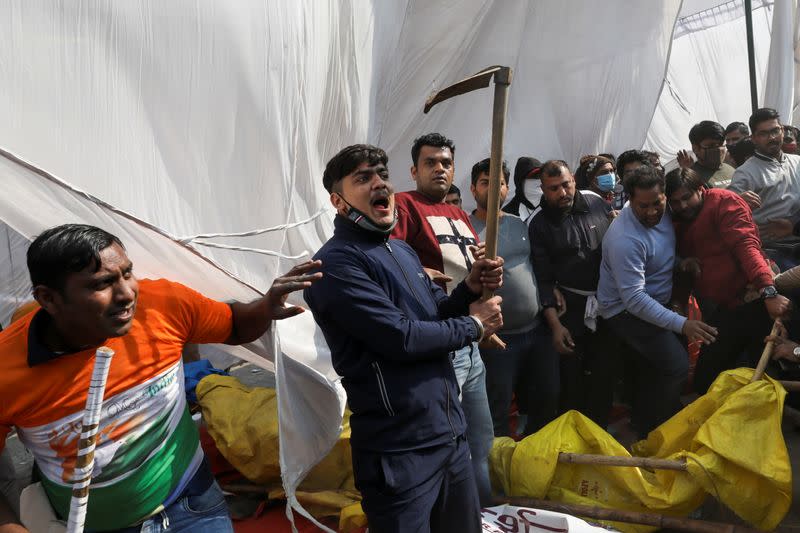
<point>148,462</point>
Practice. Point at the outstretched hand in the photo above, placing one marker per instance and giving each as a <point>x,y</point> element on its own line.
<point>297,279</point>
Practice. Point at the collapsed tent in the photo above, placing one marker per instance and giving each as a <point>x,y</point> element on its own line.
<point>183,127</point>
<point>750,472</point>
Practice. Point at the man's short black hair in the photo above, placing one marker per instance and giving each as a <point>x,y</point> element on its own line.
<point>762,115</point>
<point>741,127</point>
<point>454,190</point>
<point>553,168</point>
<point>645,177</point>
<point>631,156</point>
<point>431,139</point>
<point>66,249</point>
<point>682,177</point>
<point>482,167</point>
<point>348,159</point>
<point>707,129</point>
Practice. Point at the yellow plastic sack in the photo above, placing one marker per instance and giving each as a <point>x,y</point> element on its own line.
<point>731,439</point>
<point>243,422</point>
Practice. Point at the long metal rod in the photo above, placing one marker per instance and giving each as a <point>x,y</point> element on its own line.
<point>751,54</point>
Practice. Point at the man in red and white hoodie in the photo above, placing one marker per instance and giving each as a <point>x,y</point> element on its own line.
<point>442,236</point>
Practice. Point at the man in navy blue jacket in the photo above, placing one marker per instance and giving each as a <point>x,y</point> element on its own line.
<point>392,333</point>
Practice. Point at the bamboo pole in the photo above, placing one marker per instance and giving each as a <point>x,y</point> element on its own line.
<point>630,517</point>
<point>606,460</point>
<point>766,355</point>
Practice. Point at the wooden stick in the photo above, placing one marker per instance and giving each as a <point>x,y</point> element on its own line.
<point>501,85</point>
<point>84,464</point>
<point>630,517</point>
<point>502,81</point>
<point>607,460</point>
<point>766,355</point>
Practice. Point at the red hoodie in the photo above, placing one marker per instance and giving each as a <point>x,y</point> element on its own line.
<point>725,240</point>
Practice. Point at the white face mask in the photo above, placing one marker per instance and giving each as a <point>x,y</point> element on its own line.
<point>533,191</point>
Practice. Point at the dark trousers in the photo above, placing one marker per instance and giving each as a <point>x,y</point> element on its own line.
<point>598,351</point>
<point>427,490</point>
<point>587,375</point>
<point>740,340</point>
<point>660,367</point>
<point>524,367</point>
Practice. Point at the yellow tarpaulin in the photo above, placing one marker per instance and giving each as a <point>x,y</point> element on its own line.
<point>730,438</point>
<point>243,422</point>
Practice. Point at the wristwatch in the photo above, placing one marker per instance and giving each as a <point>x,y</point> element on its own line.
<point>796,353</point>
<point>769,292</point>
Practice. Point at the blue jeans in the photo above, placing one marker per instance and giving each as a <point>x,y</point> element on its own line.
<point>471,377</point>
<point>206,512</point>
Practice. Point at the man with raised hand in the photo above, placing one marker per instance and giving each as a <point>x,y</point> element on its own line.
<point>150,470</point>
<point>770,184</point>
<point>392,332</point>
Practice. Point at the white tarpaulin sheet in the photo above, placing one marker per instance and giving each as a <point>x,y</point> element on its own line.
<point>708,77</point>
<point>212,117</point>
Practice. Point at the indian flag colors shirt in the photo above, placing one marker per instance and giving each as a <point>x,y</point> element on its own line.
<point>147,446</point>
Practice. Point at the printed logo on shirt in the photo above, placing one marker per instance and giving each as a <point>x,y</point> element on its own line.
<point>454,238</point>
<point>132,424</point>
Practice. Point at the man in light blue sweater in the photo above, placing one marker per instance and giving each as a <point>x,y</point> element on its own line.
<point>634,291</point>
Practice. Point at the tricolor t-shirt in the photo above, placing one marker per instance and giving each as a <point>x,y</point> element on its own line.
<point>147,447</point>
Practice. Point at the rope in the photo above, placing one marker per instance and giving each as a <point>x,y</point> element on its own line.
<point>186,240</point>
<point>248,249</point>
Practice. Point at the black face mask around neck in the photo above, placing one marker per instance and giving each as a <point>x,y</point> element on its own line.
<point>361,220</point>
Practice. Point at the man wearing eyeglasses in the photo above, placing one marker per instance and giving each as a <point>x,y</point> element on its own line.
<point>770,184</point>
<point>708,145</point>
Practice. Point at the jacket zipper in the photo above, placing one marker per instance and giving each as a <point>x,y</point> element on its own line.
<point>449,419</point>
<point>444,380</point>
<point>382,388</point>
<point>405,276</point>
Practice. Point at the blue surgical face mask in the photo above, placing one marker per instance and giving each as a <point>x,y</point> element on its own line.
<point>606,182</point>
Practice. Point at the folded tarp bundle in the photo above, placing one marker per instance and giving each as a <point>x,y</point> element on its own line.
<point>730,439</point>
<point>243,422</point>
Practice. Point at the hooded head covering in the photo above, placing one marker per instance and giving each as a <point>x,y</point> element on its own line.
<point>526,167</point>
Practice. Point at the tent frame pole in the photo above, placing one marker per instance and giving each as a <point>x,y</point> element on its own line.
<point>751,54</point>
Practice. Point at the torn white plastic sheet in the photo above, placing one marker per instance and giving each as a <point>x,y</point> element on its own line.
<point>213,117</point>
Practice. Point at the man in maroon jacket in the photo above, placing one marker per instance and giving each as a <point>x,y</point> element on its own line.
<point>719,245</point>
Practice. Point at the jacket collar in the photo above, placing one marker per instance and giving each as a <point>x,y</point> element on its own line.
<point>347,229</point>
<point>579,205</point>
<point>769,159</point>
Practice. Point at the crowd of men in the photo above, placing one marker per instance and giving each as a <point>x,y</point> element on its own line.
<point>594,273</point>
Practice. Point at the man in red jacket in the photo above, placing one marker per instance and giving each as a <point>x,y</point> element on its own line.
<point>720,246</point>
